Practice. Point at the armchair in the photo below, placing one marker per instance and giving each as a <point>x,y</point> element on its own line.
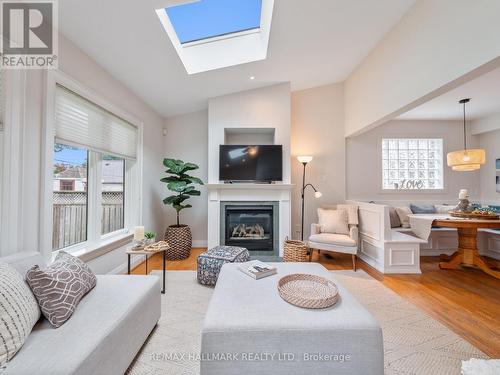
<point>340,243</point>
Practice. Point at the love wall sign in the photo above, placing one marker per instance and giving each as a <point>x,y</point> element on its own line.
<point>409,185</point>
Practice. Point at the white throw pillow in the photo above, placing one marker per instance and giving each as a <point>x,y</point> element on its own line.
<point>352,212</point>
<point>333,221</point>
<point>403,213</point>
<point>443,208</point>
<point>18,312</point>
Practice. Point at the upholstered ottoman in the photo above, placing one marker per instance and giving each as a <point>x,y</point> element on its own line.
<point>249,329</point>
<point>210,262</point>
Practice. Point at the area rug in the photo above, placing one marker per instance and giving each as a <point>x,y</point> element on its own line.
<point>414,343</point>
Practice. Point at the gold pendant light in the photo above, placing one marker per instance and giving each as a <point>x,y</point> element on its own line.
<point>466,159</point>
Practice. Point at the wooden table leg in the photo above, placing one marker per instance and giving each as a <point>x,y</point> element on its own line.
<point>164,269</point>
<point>468,254</point>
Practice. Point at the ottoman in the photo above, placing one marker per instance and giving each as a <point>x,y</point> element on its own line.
<point>249,329</point>
<point>210,262</point>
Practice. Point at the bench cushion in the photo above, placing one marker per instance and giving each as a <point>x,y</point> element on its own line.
<point>103,336</point>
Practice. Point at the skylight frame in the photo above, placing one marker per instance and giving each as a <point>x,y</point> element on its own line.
<point>225,50</point>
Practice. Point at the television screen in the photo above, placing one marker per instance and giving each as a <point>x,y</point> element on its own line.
<point>262,163</point>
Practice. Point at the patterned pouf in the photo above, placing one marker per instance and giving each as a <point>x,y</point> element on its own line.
<point>210,263</point>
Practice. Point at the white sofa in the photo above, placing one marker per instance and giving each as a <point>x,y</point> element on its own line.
<point>108,328</point>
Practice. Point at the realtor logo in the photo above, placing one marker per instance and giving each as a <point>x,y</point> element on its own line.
<point>29,34</point>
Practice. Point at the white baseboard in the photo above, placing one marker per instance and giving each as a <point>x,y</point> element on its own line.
<point>122,268</point>
<point>200,243</point>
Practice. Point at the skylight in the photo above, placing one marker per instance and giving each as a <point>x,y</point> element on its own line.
<point>206,19</point>
<point>214,34</point>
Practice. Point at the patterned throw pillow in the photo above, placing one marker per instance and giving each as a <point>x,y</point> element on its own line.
<point>18,312</point>
<point>60,287</point>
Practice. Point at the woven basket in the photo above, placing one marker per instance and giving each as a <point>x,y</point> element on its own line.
<point>295,251</point>
<point>308,291</point>
<point>180,241</point>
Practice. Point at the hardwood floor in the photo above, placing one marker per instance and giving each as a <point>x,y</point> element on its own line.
<point>466,301</point>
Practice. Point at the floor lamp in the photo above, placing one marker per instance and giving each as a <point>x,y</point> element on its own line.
<point>304,160</point>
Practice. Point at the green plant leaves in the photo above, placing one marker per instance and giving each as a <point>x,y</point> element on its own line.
<point>178,181</point>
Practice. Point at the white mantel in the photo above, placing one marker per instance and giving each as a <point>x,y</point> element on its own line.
<point>249,114</point>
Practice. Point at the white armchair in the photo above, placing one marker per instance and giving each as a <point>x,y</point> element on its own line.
<point>340,243</point>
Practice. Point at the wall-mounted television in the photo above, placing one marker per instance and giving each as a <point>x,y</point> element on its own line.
<point>252,163</point>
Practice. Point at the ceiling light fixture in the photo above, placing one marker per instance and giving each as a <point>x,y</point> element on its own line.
<point>466,159</point>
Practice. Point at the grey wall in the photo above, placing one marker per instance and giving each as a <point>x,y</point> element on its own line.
<point>363,162</point>
<point>187,139</point>
<point>317,130</point>
<point>490,141</point>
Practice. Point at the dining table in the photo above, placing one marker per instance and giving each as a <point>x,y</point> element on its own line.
<point>467,253</point>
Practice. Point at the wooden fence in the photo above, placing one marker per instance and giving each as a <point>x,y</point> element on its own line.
<point>70,216</point>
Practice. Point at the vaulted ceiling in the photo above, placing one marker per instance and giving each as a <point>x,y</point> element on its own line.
<point>312,43</point>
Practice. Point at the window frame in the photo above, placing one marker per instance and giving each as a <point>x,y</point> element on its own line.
<point>96,243</point>
<point>445,175</point>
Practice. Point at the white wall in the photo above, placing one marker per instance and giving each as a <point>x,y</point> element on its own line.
<point>434,44</point>
<point>187,139</point>
<point>267,107</point>
<point>490,141</point>
<point>317,130</point>
<point>364,178</point>
<point>82,68</point>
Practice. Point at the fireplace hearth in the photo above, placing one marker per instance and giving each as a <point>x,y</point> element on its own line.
<point>250,226</point>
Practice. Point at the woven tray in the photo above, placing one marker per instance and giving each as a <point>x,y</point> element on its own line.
<point>308,291</point>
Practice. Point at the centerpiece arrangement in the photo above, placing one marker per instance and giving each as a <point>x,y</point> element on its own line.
<point>464,209</point>
<point>179,182</point>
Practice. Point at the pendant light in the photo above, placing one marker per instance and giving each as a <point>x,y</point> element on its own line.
<point>466,159</point>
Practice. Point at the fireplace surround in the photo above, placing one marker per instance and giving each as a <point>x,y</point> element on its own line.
<point>253,225</point>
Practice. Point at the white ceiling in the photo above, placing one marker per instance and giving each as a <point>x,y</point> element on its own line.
<point>312,43</point>
<point>484,92</point>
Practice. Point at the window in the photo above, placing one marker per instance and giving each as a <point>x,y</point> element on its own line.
<point>113,189</point>
<point>412,163</point>
<point>94,151</point>
<point>211,18</point>
<point>69,213</point>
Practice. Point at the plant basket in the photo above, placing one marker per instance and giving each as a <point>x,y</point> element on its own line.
<point>180,240</point>
<point>295,251</point>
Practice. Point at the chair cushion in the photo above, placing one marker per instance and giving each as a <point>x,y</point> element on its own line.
<point>60,287</point>
<point>333,239</point>
<point>333,221</point>
<point>18,312</point>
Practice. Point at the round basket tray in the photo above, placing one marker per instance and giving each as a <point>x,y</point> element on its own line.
<point>474,216</point>
<point>308,291</point>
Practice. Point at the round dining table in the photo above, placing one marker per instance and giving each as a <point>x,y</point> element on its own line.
<point>468,253</point>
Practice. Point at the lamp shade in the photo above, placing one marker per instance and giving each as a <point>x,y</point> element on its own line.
<point>317,194</point>
<point>466,160</point>
<point>304,159</point>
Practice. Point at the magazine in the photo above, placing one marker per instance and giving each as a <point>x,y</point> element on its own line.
<point>257,269</point>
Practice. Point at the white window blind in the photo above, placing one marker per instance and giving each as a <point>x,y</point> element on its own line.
<point>80,122</point>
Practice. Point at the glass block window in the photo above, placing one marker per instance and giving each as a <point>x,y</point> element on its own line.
<point>412,163</point>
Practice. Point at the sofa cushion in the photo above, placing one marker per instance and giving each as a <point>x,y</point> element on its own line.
<point>333,239</point>
<point>443,208</point>
<point>103,335</point>
<point>60,287</point>
<point>333,221</point>
<point>18,312</point>
<point>403,213</point>
<point>422,208</point>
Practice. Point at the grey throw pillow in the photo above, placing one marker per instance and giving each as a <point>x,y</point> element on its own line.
<point>422,208</point>
<point>394,217</point>
<point>60,287</point>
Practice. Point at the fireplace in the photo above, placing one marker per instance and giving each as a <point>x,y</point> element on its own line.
<point>250,225</point>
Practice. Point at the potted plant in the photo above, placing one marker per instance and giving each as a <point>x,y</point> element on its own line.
<point>181,184</point>
<point>150,237</point>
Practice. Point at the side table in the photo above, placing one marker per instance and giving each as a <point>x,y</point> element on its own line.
<point>163,250</point>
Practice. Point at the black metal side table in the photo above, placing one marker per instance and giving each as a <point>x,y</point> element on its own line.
<point>163,250</point>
